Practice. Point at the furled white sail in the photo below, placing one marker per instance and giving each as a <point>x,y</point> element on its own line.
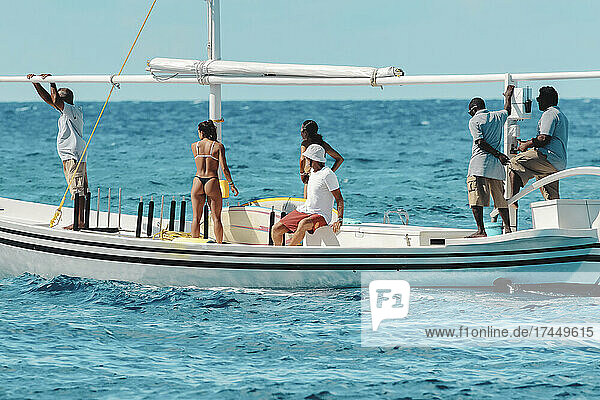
<point>167,67</point>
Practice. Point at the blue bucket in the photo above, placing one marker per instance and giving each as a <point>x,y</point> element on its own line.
<point>493,229</point>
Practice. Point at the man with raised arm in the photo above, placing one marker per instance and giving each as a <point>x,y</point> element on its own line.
<point>486,173</point>
<point>323,188</point>
<point>69,142</point>
<point>546,153</point>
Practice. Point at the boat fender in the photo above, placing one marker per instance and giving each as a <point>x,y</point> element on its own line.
<point>271,223</point>
<point>88,203</point>
<point>283,214</point>
<point>140,214</point>
<point>182,215</point>
<point>205,221</point>
<point>172,214</point>
<point>150,216</point>
<point>76,213</point>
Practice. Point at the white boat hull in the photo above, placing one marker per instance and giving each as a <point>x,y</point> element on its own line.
<point>15,262</point>
<point>47,252</point>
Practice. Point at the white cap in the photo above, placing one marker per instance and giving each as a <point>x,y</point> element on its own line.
<point>315,153</point>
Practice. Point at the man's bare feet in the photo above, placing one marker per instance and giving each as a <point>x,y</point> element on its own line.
<point>70,227</point>
<point>477,235</point>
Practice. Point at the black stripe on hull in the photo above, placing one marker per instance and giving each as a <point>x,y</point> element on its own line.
<point>287,255</point>
<point>294,267</point>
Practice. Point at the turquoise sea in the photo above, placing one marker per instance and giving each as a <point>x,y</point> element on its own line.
<point>80,338</point>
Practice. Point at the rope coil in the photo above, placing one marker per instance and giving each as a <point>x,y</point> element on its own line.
<point>170,235</point>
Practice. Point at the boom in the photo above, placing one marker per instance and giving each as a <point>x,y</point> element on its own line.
<point>304,81</point>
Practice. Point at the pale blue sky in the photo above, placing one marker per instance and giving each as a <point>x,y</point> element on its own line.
<point>421,37</point>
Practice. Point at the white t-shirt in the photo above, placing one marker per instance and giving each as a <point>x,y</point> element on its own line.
<point>319,199</point>
<point>69,142</point>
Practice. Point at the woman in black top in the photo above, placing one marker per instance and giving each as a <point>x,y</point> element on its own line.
<point>309,131</point>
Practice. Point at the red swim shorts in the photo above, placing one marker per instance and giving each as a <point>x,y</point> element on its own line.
<point>291,220</point>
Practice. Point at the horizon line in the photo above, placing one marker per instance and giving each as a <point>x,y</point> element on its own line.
<point>283,100</point>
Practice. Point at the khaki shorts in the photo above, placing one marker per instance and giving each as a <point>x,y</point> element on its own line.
<point>80,180</point>
<point>533,164</point>
<point>480,188</point>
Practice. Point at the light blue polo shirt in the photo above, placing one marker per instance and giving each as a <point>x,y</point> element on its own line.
<point>69,141</point>
<point>487,125</point>
<point>555,124</point>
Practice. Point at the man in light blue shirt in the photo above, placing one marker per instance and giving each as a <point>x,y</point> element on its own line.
<point>546,153</point>
<point>69,141</point>
<point>486,174</point>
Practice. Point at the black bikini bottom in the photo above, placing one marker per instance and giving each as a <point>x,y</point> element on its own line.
<point>205,180</point>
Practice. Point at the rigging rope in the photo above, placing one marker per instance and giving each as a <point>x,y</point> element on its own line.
<point>58,214</point>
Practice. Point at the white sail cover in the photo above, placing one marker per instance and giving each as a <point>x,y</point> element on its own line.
<point>180,68</point>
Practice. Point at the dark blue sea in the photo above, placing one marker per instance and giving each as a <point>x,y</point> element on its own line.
<point>79,338</point>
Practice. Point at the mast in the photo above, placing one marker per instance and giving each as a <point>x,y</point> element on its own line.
<point>511,134</point>
<point>214,53</point>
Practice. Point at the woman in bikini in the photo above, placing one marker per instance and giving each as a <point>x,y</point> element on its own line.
<point>209,154</point>
<point>309,131</point>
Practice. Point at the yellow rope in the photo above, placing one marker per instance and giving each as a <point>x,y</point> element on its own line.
<point>57,215</point>
<point>170,235</point>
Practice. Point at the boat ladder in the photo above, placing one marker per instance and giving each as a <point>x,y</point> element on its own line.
<point>403,214</point>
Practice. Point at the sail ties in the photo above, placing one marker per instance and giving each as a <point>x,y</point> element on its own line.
<point>202,71</point>
<point>392,71</point>
<point>374,79</point>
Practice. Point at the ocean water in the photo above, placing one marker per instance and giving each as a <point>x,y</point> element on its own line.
<point>79,338</point>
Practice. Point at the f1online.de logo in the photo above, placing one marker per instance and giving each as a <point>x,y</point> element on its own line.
<point>389,300</point>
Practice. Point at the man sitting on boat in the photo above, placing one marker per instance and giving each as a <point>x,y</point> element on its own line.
<point>486,174</point>
<point>69,142</point>
<point>323,188</point>
<point>546,153</point>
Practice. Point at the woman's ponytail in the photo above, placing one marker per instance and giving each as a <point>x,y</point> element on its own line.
<point>209,129</point>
